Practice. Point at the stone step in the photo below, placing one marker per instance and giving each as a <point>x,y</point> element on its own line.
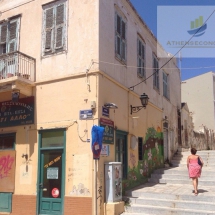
<point>183,204</point>
<point>156,210</point>
<point>183,171</point>
<point>181,181</point>
<point>179,176</point>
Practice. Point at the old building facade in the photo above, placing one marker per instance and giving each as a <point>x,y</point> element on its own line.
<point>75,64</point>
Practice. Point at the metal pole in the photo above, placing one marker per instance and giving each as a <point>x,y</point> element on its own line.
<point>95,186</point>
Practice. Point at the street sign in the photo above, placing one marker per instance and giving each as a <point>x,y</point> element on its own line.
<point>105,111</point>
<point>86,114</point>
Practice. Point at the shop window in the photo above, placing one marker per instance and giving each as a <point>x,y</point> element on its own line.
<point>121,151</point>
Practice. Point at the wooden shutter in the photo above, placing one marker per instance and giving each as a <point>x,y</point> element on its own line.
<point>3,33</point>
<point>12,35</point>
<point>59,26</point>
<point>49,25</point>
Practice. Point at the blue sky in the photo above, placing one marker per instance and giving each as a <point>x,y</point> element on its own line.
<point>190,66</point>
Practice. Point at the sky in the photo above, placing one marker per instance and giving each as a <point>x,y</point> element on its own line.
<point>153,10</point>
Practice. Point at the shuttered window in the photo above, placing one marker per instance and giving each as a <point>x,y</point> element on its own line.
<point>165,85</point>
<point>54,27</point>
<point>120,38</point>
<point>9,36</point>
<point>155,73</point>
<point>140,58</point>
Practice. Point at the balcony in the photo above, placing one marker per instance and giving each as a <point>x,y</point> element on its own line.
<point>17,72</point>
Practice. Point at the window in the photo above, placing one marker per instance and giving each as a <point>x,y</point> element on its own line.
<point>140,58</point>
<point>120,38</point>
<point>7,141</point>
<point>165,85</point>
<point>155,73</point>
<point>54,27</point>
<point>9,36</point>
<point>140,148</point>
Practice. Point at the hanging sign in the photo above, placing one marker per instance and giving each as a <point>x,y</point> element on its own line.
<point>108,125</point>
<point>105,111</point>
<point>55,192</point>
<point>17,113</point>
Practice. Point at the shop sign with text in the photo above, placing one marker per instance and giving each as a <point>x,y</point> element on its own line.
<point>108,125</point>
<point>17,113</point>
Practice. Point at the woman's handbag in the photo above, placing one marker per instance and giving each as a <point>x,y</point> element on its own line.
<point>199,162</point>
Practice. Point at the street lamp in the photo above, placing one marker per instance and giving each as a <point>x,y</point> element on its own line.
<point>144,101</point>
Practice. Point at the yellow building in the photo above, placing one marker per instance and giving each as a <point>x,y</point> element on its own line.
<point>65,66</point>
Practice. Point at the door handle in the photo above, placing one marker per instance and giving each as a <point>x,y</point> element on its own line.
<point>44,189</point>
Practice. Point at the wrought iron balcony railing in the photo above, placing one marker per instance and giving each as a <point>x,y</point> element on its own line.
<point>17,64</point>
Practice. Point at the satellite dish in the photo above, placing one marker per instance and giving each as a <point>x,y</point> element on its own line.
<point>134,142</point>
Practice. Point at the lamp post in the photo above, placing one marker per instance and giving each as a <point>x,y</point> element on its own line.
<point>144,101</point>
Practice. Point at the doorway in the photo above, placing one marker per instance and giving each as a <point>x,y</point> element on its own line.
<point>51,179</point>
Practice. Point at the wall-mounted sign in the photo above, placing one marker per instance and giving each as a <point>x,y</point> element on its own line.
<point>52,173</point>
<point>55,192</point>
<point>86,114</point>
<point>105,150</point>
<point>17,113</point>
<point>105,111</point>
<point>108,125</point>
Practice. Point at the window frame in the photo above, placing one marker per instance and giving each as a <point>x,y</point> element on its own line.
<point>166,85</point>
<point>8,135</point>
<point>140,58</point>
<point>155,66</point>
<point>120,38</point>
<point>54,48</point>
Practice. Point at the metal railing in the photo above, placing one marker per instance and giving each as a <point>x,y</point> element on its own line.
<point>17,64</point>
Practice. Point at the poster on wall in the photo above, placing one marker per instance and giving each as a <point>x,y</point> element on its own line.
<point>17,113</point>
<point>7,171</point>
<point>108,136</point>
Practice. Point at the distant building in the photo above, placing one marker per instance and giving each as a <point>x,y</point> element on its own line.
<point>72,63</point>
<point>199,93</point>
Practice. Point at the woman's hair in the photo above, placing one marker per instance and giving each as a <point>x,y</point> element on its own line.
<point>193,151</point>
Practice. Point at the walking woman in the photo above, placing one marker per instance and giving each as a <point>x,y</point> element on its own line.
<point>194,168</point>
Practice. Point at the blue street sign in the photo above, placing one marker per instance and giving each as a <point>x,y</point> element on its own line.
<point>105,111</point>
<point>86,114</point>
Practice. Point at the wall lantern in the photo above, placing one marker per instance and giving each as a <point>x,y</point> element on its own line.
<point>15,95</point>
<point>110,105</point>
<point>144,101</point>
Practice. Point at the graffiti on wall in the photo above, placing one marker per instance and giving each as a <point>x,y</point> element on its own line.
<point>152,158</point>
<point>7,171</point>
<point>80,190</point>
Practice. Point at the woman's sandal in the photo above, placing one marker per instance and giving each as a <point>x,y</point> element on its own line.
<point>196,193</point>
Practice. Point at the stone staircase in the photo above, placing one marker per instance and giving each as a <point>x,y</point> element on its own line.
<point>170,191</point>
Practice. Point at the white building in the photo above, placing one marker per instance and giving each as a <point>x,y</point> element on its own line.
<point>199,93</point>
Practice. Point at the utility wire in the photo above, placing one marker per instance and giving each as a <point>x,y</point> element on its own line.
<point>132,87</point>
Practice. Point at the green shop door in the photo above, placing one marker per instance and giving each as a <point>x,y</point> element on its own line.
<point>51,177</point>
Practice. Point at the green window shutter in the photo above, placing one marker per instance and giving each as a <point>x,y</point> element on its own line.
<point>60,22</point>
<point>13,27</point>
<point>5,202</point>
<point>49,27</point>
<point>3,33</point>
